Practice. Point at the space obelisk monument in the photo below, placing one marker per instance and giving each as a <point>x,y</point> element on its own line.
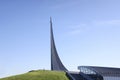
<point>56,63</point>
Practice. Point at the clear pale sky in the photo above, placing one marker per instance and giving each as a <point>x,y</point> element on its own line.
<point>87,32</point>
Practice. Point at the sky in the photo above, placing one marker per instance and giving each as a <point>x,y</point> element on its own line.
<point>86,32</point>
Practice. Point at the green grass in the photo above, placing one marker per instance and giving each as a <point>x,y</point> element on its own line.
<point>39,75</point>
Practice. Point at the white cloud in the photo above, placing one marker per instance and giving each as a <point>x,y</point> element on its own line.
<point>106,22</point>
<point>75,30</point>
<point>83,27</point>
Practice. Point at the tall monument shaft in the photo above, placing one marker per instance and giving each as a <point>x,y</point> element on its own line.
<point>56,63</point>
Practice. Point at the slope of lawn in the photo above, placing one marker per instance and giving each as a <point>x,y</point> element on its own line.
<point>39,75</point>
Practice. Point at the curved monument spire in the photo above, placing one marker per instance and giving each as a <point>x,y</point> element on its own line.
<point>56,63</point>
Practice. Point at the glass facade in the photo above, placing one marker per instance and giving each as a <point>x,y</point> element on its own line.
<point>101,73</point>
<point>91,73</point>
<point>86,70</point>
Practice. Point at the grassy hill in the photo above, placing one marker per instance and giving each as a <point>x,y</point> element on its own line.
<point>39,75</point>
